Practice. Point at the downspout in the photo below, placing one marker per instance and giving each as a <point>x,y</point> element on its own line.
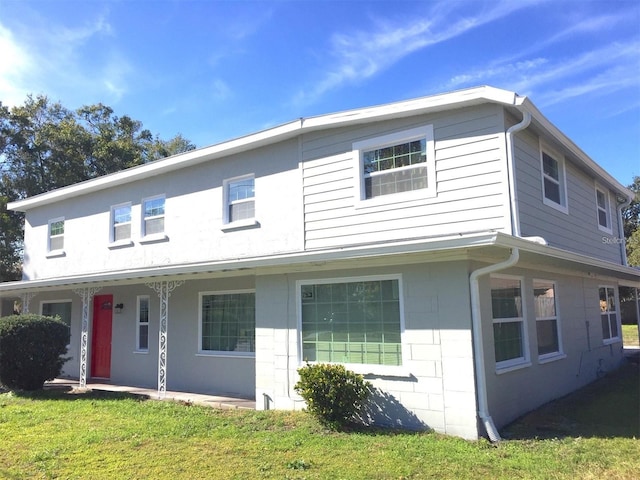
<point>474,287</point>
<point>622,240</point>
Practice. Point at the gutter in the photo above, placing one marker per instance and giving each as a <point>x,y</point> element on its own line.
<point>474,286</point>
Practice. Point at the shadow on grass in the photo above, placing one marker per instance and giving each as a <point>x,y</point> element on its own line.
<point>606,408</point>
<point>69,393</point>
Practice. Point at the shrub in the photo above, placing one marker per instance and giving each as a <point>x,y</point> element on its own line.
<point>31,350</point>
<point>333,394</point>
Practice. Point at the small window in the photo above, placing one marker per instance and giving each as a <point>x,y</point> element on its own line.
<point>609,314</point>
<point>142,324</point>
<point>352,322</point>
<point>239,199</point>
<point>56,235</point>
<point>547,327</point>
<point>603,210</point>
<point>553,181</point>
<point>60,309</point>
<point>509,334</point>
<point>398,163</point>
<point>120,223</point>
<point>153,216</point>
<point>228,322</point>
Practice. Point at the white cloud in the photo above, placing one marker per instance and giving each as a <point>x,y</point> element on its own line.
<point>220,90</point>
<point>16,66</point>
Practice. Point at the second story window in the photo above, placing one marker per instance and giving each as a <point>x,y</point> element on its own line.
<point>56,235</point>
<point>602,204</point>
<point>553,181</point>
<point>397,163</point>
<point>239,199</point>
<point>153,216</point>
<point>120,223</point>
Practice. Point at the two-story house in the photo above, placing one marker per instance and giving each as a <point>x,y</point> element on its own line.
<point>458,250</point>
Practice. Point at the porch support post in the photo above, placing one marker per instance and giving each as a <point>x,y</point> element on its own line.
<point>86,294</point>
<point>26,300</point>
<point>163,289</point>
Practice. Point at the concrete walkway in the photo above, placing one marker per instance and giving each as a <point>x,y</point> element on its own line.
<point>216,401</point>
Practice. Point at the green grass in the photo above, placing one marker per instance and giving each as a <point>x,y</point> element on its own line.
<point>630,335</point>
<point>66,435</point>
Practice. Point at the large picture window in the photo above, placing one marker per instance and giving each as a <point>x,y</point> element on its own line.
<point>352,322</point>
<point>228,322</point>
<point>60,309</point>
<point>547,328</point>
<point>608,314</point>
<point>508,321</point>
<point>397,163</point>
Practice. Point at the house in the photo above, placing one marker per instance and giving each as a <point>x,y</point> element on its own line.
<point>457,249</point>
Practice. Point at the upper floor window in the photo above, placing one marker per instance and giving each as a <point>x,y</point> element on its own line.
<point>56,235</point>
<point>228,322</point>
<point>352,321</point>
<point>398,163</point>
<point>509,333</point>
<point>608,314</point>
<point>153,216</point>
<point>239,199</point>
<point>553,181</point>
<point>120,223</point>
<point>547,327</point>
<point>603,210</point>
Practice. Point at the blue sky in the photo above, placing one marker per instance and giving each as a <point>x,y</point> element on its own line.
<point>214,70</point>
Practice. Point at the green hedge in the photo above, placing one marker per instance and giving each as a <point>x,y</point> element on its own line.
<point>31,350</point>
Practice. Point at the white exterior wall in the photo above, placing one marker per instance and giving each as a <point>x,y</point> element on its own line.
<point>586,355</point>
<point>193,218</point>
<point>471,188</point>
<point>436,387</point>
<point>575,231</point>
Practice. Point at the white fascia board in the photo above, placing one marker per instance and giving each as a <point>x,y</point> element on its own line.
<point>432,103</point>
<point>565,141</point>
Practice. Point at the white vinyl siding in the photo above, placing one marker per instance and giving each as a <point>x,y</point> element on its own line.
<point>468,193</point>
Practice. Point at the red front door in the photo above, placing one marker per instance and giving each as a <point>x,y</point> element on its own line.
<point>101,337</point>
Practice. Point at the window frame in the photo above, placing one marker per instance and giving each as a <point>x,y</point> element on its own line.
<point>616,312</point>
<point>606,209</point>
<point>361,368</point>
<point>57,252</point>
<point>560,160</point>
<point>112,226</point>
<point>425,132</point>
<point>222,353</point>
<point>517,362</point>
<point>139,323</point>
<point>228,223</point>
<point>61,300</point>
<point>153,237</point>
<point>542,358</point>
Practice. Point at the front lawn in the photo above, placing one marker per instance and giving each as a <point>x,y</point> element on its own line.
<point>61,434</point>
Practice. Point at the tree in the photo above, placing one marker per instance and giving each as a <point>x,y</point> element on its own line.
<point>631,220</point>
<point>44,146</point>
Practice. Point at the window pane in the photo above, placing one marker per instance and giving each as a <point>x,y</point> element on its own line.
<point>606,333</point>
<point>601,199</point>
<point>153,226</point>
<point>241,189</point>
<point>228,322</point>
<point>122,232</point>
<point>154,207</point>
<point>552,190</point>
<point>506,298</point>
<point>354,322</point>
<point>57,243</point>
<point>508,340</point>
<point>544,298</point>
<point>396,182</point>
<point>550,167</point>
<point>144,337</point>
<point>121,214</point>
<point>62,310</point>
<point>56,228</point>
<point>547,336</point>
<point>602,218</point>
<point>241,211</point>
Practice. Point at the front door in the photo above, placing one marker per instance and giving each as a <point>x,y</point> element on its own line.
<point>101,336</point>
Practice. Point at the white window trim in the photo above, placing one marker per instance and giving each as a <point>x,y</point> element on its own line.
<point>608,341</point>
<point>417,133</point>
<point>219,353</point>
<point>360,368</point>
<point>64,300</point>
<point>124,242</point>
<point>156,237</point>
<point>525,360</point>
<point>244,223</point>
<point>138,324</point>
<point>563,206</point>
<point>61,251</point>
<point>548,357</point>
<point>607,209</point>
